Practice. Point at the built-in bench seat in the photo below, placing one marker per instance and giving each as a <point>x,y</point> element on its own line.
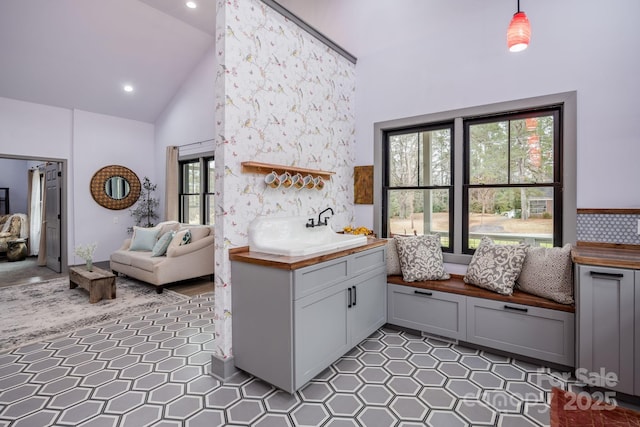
<point>520,324</point>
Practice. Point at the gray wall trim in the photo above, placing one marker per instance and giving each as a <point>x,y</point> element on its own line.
<point>308,28</point>
<point>223,369</point>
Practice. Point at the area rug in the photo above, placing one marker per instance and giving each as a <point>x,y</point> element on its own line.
<point>570,409</point>
<point>41,311</point>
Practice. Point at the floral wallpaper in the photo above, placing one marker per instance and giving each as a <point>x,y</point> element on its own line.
<point>282,97</point>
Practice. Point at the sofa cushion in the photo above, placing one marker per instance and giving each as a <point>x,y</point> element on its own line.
<point>144,260</point>
<point>198,232</point>
<point>496,267</point>
<point>546,272</point>
<point>421,258</point>
<point>160,248</point>
<point>166,226</point>
<point>393,262</point>
<point>143,239</point>
<point>121,257</point>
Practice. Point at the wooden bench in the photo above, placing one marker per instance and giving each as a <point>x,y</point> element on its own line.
<point>520,324</point>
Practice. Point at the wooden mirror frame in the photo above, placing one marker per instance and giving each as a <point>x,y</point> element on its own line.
<point>98,187</point>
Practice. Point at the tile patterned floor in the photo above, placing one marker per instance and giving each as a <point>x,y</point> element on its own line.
<point>152,370</point>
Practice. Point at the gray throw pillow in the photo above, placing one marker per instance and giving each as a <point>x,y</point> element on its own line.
<point>160,248</point>
<point>393,262</point>
<point>421,258</point>
<point>547,273</point>
<point>496,267</point>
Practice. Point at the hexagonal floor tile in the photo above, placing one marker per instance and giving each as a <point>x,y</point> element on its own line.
<point>81,412</point>
<point>144,415</point>
<point>429,377</point>
<point>89,368</point>
<point>281,401</point>
<point>315,392</point>
<point>437,398</point>
<point>423,361</point>
<point>70,398</point>
<point>442,418</point>
<point>59,386</point>
<point>51,374</point>
<point>373,394</point>
<point>376,417</point>
<point>393,340</point>
<point>508,372</point>
<point>98,378</point>
<point>101,421</point>
<point>347,366</point>
<point>445,354</point>
<point>166,393</point>
<point>112,389</point>
<point>475,362</point>
<point>202,385</point>
<point>273,420</point>
<point>396,353</point>
<point>150,381</point>
<point>525,391</point>
<point>24,407</point>
<point>487,380</point>
<point>371,345</point>
<point>245,411</point>
<point>346,405</point>
<point>257,389</point>
<point>372,359</point>
<point>403,386</point>
<point>156,355</point>
<point>374,374</point>
<point>399,367</point>
<point>515,420</point>
<point>18,393</point>
<point>310,414</point>
<point>463,388</point>
<point>125,402</point>
<point>408,408</point>
<point>184,407</point>
<point>40,418</point>
<point>136,371</point>
<point>501,401</point>
<point>453,370</point>
<point>206,418</point>
<point>222,397</point>
<point>476,412</point>
<point>345,382</point>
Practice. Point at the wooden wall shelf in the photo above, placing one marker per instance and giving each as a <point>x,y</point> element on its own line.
<point>265,168</point>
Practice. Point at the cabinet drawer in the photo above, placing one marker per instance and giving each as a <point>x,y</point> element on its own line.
<point>316,277</point>
<point>530,331</point>
<point>434,312</point>
<point>368,260</point>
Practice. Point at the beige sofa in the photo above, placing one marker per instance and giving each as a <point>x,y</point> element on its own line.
<point>181,261</point>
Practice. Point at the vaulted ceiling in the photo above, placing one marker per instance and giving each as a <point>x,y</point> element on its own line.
<point>80,53</point>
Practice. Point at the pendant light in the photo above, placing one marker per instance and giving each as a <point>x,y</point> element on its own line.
<point>519,31</point>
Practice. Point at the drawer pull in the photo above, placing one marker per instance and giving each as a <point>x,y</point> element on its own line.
<point>349,306</point>
<point>599,273</point>
<point>355,293</point>
<point>423,293</point>
<point>508,307</point>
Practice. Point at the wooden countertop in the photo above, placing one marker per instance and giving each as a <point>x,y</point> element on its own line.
<point>607,255</point>
<point>243,254</point>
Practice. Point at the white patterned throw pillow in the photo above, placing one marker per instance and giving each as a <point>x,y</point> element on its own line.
<point>421,258</point>
<point>496,267</point>
<point>547,273</point>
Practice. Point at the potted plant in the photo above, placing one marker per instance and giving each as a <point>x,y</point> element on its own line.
<point>146,209</point>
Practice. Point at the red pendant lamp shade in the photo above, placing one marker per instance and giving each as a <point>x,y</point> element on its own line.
<point>519,31</point>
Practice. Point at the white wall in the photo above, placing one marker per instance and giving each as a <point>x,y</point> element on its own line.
<point>458,58</point>
<point>188,117</point>
<point>14,176</point>
<point>99,141</point>
<point>87,141</point>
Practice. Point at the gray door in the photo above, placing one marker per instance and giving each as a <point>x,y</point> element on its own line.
<point>53,175</point>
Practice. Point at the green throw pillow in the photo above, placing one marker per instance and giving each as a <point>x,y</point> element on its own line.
<point>143,239</point>
<point>160,248</point>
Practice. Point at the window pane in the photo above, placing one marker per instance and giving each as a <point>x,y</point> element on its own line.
<point>511,215</point>
<point>191,177</point>
<point>419,212</point>
<point>211,175</point>
<point>210,212</point>
<point>191,209</point>
<point>420,159</point>
<point>488,153</point>
<point>532,150</point>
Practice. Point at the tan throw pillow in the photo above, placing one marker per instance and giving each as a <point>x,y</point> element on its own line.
<point>198,232</point>
<point>547,273</point>
<point>496,267</point>
<point>167,226</point>
<point>393,262</point>
<point>421,258</point>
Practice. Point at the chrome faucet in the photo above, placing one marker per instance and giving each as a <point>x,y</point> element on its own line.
<point>326,218</point>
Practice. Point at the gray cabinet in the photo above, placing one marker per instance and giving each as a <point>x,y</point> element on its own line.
<point>290,325</point>
<point>607,299</point>
<point>434,312</point>
<point>636,367</point>
<point>521,329</point>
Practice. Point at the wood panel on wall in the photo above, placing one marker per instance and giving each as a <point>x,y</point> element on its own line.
<point>363,185</point>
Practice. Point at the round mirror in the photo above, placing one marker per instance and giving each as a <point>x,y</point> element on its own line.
<point>115,187</point>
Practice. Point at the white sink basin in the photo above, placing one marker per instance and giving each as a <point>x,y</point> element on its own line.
<point>289,236</point>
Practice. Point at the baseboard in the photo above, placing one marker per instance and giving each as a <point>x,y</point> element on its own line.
<point>223,369</point>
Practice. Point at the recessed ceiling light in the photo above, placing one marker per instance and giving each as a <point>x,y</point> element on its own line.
<point>128,88</point>
<point>191,4</point>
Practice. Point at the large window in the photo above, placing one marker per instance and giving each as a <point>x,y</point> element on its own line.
<point>418,185</point>
<point>513,179</point>
<point>196,190</point>
<point>506,171</point>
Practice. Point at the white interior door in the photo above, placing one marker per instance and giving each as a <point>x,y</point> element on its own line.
<point>53,185</point>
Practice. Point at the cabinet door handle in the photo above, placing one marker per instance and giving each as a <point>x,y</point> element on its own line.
<point>508,307</point>
<point>355,293</point>
<point>423,293</point>
<point>599,273</point>
<point>349,306</point>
